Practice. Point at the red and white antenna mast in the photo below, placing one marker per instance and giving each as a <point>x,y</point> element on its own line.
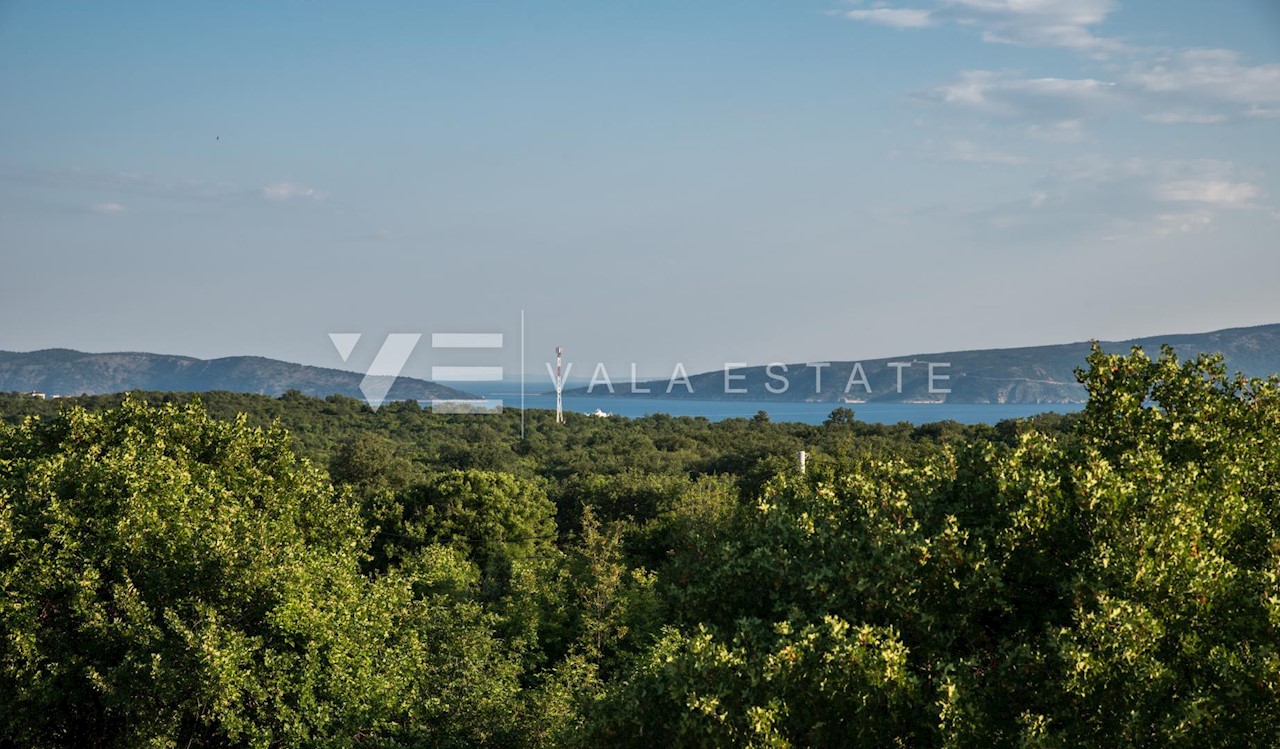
<point>559,386</point>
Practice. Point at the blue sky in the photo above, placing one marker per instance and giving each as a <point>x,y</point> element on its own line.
<point>664,181</point>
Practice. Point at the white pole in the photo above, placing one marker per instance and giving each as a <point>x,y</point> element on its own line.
<point>559,387</point>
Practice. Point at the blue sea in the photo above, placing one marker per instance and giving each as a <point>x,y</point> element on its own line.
<point>808,413</point>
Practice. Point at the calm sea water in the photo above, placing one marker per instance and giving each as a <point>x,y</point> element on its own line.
<point>808,413</point>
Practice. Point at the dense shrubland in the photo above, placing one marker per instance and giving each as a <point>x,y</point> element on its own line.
<point>237,570</point>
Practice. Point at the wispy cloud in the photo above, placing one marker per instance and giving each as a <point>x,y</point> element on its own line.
<point>1031,23</point>
<point>898,18</point>
<point>1182,223</point>
<point>1119,200</point>
<point>1210,191</point>
<point>1110,80</point>
<point>1063,131</point>
<point>133,183</point>
<point>1005,94</point>
<point>1164,86</point>
<point>1208,75</point>
<point>1150,197</point>
<point>1215,90</point>
<point>1185,118</point>
<point>107,208</point>
<point>1039,23</point>
<point>964,151</point>
<point>291,191</point>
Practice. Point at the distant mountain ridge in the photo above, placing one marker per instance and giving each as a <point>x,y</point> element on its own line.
<point>1037,374</point>
<point>67,372</point>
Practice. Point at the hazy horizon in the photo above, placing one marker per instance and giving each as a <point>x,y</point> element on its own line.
<point>580,372</point>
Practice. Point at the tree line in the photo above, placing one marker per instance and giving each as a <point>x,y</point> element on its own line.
<point>238,570</point>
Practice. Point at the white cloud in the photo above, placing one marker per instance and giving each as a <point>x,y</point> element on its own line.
<point>1182,223</point>
<point>1030,23</point>
<point>1219,192</point>
<point>898,18</point>
<point>1208,181</point>
<point>968,152</point>
<point>133,183</point>
<point>1065,131</point>
<point>1059,108</point>
<point>1098,196</point>
<point>1125,199</point>
<point>290,191</point>
<point>1039,23</point>
<point>1164,86</point>
<point>107,208</point>
<point>1185,118</point>
<point>1007,95</point>
<point>1212,75</point>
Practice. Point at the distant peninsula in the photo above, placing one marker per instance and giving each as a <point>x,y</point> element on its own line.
<point>67,373</point>
<point>1038,374</point>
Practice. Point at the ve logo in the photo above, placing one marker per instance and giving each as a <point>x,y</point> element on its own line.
<point>395,352</point>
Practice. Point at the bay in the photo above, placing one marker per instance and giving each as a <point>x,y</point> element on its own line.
<point>808,413</point>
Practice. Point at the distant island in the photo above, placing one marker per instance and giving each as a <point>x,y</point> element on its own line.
<point>65,372</point>
<point>1038,374</point>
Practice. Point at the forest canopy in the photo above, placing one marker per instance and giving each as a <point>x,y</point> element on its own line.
<point>233,570</point>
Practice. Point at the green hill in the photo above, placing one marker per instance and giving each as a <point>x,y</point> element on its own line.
<point>1038,374</point>
<point>67,372</point>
